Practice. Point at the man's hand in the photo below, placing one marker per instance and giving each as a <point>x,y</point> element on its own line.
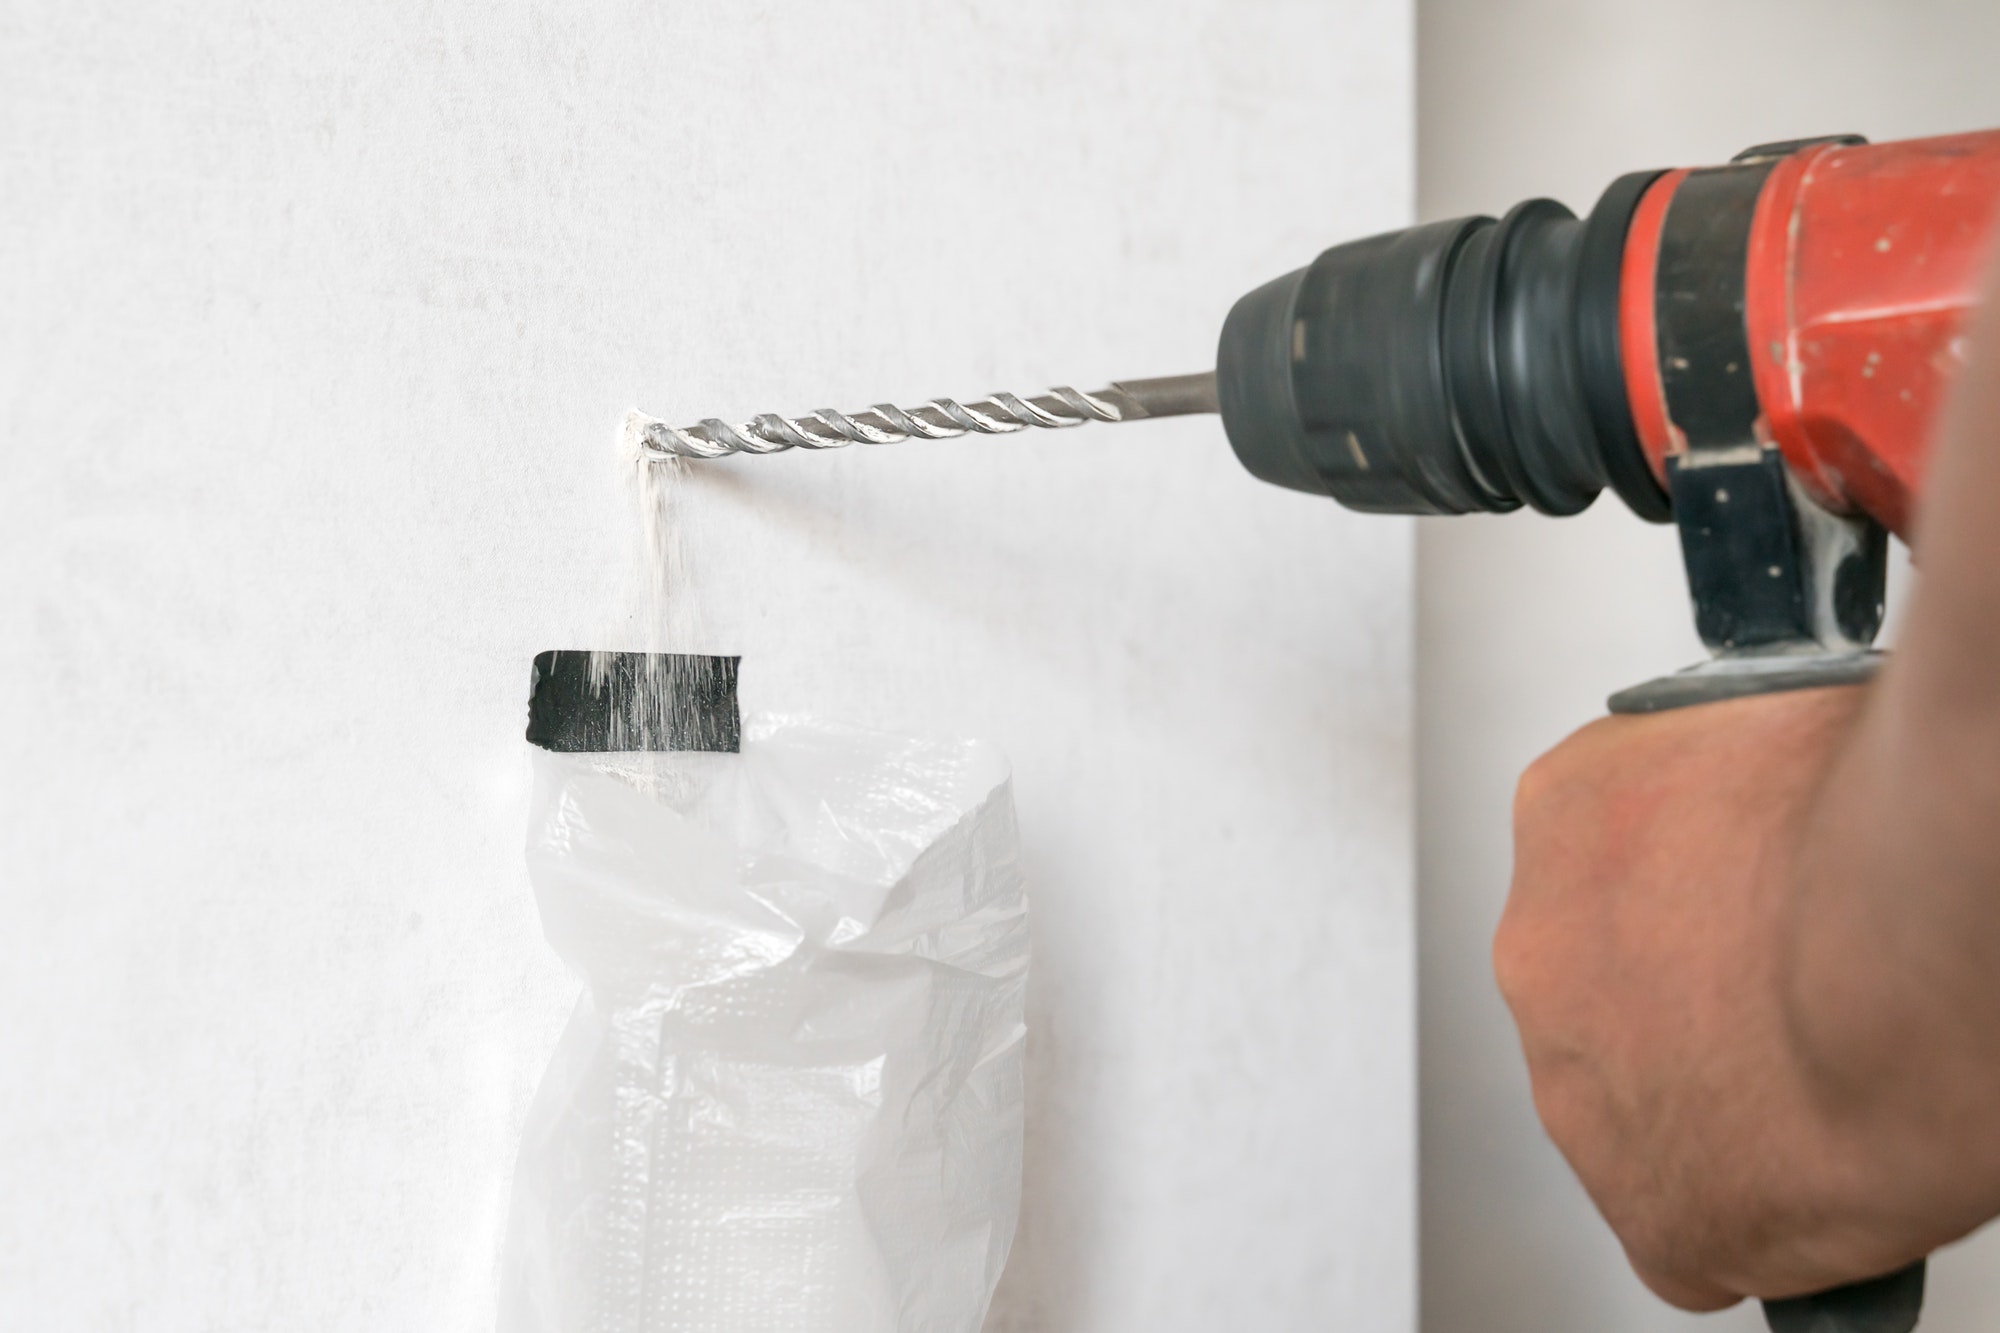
<point>1753,947</point>
<point>1643,952</point>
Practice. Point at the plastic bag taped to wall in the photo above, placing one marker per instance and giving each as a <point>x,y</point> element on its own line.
<point>790,1096</point>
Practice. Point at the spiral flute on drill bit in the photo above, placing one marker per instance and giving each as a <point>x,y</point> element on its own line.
<point>938,419</point>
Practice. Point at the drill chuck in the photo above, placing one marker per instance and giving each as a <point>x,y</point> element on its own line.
<point>1458,367</point>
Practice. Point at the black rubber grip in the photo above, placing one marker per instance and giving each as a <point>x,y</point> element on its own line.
<point>1465,366</point>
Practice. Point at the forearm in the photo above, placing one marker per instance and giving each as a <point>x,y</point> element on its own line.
<point>1893,989</point>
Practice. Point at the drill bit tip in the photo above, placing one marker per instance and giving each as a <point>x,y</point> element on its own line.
<point>938,419</point>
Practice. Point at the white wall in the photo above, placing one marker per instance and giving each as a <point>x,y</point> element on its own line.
<point>319,324</point>
<point>1526,624</point>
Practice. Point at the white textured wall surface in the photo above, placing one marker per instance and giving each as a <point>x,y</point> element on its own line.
<point>318,325</point>
<point>1527,623</point>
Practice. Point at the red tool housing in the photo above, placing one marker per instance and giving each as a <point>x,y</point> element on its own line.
<point>1864,264</point>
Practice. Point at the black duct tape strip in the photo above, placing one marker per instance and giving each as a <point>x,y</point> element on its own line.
<point>598,703</point>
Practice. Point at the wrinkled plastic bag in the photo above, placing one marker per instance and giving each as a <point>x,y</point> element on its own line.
<point>790,1097</point>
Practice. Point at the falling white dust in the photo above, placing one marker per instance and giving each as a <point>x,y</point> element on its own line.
<point>660,613</point>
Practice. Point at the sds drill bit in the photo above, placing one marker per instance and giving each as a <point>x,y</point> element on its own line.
<point>938,419</point>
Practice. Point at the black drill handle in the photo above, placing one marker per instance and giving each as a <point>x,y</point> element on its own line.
<point>1880,1305</point>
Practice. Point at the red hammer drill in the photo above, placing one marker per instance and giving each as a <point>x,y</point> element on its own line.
<point>1754,352</point>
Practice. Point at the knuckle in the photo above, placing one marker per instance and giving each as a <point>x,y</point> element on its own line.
<point>1511,954</point>
<point>1564,1105</point>
<point>1573,768</point>
<point>1528,933</point>
<point>1538,780</point>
